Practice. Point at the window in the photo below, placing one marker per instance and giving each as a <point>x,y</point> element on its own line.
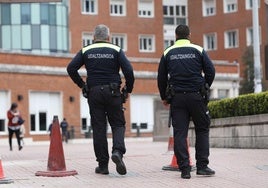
<point>84,124</point>
<point>210,41</point>
<point>89,6</point>
<point>44,13</point>
<point>26,37</point>
<point>32,122</point>
<point>87,39</point>
<point>168,42</point>
<point>249,4</point>
<point>52,15</point>
<point>146,8</point>
<point>119,40</point>
<point>142,112</point>
<point>43,111</point>
<point>147,43</point>
<point>16,37</point>
<point>53,38</point>
<point>209,7</point>
<point>5,14</point>
<point>174,14</point>
<point>230,6</point>
<point>16,14</point>
<point>23,24</point>
<point>85,116</point>
<point>41,118</point>
<point>35,13</point>
<point>36,38</point>
<point>6,37</point>
<point>250,36</point>
<point>223,93</point>
<point>2,125</point>
<point>4,98</point>
<point>48,14</point>
<point>43,121</point>
<point>25,13</point>
<point>118,7</point>
<point>231,39</point>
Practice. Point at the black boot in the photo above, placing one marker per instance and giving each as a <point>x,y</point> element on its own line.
<point>185,173</point>
<point>205,171</point>
<point>120,165</point>
<point>104,170</point>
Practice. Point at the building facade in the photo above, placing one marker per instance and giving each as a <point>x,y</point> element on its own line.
<point>225,28</point>
<point>38,40</point>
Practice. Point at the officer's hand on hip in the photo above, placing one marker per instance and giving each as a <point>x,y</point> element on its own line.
<point>85,91</point>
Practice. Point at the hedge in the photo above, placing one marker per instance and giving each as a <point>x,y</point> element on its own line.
<point>242,105</point>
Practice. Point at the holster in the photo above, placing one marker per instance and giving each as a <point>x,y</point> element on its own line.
<point>205,92</point>
<point>85,91</point>
<point>115,89</point>
<point>169,93</point>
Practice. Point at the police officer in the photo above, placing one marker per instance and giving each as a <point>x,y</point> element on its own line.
<point>181,70</point>
<point>103,62</point>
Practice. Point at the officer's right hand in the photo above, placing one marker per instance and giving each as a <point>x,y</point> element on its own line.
<point>85,91</point>
<point>124,94</point>
<point>165,103</point>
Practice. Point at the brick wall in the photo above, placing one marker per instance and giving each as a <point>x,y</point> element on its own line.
<point>221,22</point>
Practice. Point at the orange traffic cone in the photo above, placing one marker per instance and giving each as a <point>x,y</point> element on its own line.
<point>174,165</point>
<point>56,162</point>
<point>170,140</point>
<point>3,180</point>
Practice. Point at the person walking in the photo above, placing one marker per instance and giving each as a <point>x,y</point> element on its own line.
<point>14,124</point>
<point>64,130</point>
<point>50,129</point>
<point>103,62</point>
<point>185,74</point>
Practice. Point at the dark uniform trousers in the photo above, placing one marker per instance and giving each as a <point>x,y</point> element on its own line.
<point>106,106</point>
<point>183,107</point>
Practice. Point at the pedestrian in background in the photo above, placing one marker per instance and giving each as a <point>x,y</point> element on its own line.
<point>103,62</point>
<point>50,128</point>
<point>64,130</point>
<point>182,85</point>
<point>14,124</point>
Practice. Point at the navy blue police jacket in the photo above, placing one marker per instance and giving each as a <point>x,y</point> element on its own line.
<point>103,62</point>
<point>186,67</point>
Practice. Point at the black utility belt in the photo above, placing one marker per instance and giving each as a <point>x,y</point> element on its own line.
<point>113,87</point>
<point>99,87</point>
<point>187,92</point>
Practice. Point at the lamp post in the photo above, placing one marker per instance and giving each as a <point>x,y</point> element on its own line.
<point>256,47</point>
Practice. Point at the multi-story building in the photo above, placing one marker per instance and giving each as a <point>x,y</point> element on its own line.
<point>225,28</point>
<point>38,40</point>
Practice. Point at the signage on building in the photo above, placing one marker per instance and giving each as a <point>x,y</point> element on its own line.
<point>28,1</point>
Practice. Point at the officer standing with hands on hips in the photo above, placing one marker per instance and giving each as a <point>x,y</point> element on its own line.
<point>103,62</point>
<point>185,74</point>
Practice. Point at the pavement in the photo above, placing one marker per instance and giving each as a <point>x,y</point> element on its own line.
<point>235,168</point>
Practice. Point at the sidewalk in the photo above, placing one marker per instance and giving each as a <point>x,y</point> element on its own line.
<point>144,159</point>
